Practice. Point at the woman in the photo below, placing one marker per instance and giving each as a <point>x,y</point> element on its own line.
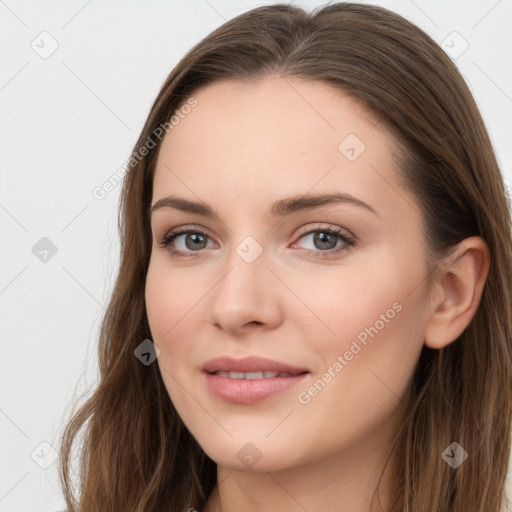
<point>313,307</point>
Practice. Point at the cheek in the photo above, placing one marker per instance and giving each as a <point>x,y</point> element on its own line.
<point>363,370</point>
<point>167,304</point>
<point>346,301</point>
<point>170,297</point>
<point>370,316</point>
<point>175,302</point>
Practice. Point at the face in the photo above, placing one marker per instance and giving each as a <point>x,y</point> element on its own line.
<point>335,289</point>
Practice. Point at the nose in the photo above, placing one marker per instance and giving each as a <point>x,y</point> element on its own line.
<point>248,296</point>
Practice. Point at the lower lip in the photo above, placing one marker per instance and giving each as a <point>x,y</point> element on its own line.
<point>249,391</point>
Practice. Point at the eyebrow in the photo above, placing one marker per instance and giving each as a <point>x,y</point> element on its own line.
<point>280,208</point>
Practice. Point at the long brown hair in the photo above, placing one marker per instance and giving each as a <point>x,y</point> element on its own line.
<point>136,454</point>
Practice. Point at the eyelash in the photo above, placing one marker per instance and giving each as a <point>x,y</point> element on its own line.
<point>337,232</point>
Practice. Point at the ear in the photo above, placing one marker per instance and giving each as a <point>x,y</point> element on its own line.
<point>457,292</point>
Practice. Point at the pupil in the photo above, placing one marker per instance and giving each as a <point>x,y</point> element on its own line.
<point>196,237</point>
<point>322,238</point>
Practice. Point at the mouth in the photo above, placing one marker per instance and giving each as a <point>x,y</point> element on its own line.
<point>251,379</point>
<point>246,390</point>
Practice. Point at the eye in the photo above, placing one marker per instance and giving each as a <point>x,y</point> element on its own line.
<point>187,241</point>
<point>327,241</point>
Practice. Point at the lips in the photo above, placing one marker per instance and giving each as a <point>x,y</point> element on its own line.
<point>251,365</point>
<point>251,379</point>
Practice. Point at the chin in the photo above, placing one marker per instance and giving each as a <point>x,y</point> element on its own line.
<point>256,456</point>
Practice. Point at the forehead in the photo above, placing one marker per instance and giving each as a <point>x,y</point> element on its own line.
<point>276,137</point>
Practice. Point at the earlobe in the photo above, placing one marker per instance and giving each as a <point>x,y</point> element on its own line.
<point>460,286</point>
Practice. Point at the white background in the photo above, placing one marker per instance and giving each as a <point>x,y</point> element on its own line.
<point>67,123</point>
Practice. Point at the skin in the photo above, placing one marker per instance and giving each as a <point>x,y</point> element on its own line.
<point>241,148</point>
